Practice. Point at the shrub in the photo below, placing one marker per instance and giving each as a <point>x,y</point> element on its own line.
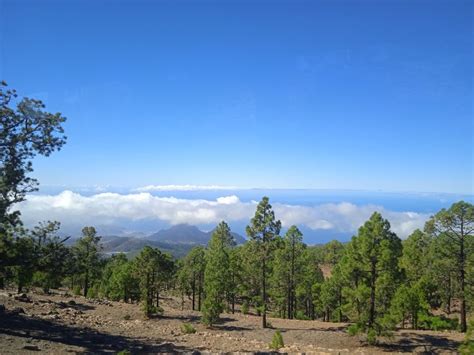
<point>187,328</point>
<point>277,341</point>
<point>77,290</point>
<point>211,311</point>
<point>372,336</point>
<point>127,317</point>
<point>430,322</point>
<point>371,333</point>
<point>245,308</point>
<point>301,316</point>
<point>93,292</point>
<point>353,329</point>
<point>124,352</point>
<point>467,346</point>
<point>151,310</point>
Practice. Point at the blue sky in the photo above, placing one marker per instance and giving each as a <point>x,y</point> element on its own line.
<point>373,95</point>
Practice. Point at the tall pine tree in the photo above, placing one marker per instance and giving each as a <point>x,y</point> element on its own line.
<point>263,230</point>
<point>217,274</point>
<point>373,256</point>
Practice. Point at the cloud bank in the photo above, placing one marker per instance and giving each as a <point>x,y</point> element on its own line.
<point>108,208</point>
<point>151,188</point>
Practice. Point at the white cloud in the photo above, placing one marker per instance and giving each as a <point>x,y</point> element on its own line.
<point>151,188</point>
<point>228,200</point>
<point>107,208</point>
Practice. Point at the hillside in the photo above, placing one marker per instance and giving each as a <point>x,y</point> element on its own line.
<point>177,240</point>
<point>187,234</point>
<point>132,245</point>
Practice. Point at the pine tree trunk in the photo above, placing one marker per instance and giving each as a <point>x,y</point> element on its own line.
<point>264,296</point>
<point>292,282</point>
<point>462,258</point>
<point>86,283</point>
<point>448,302</point>
<point>340,304</point>
<point>199,293</point>
<point>288,302</point>
<point>194,293</point>
<point>372,295</point>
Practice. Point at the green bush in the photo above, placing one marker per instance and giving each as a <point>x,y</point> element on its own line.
<point>467,347</point>
<point>353,329</point>
<point>371,333</point>
<point>93,292</point>
<point>277,341</point>
<point>77,290</point>
<point>245,308</point>
<point>124,352</point>
<point>187,328</point>
<point>151,310</point>
<point>372,336</point>
<point>430,322</point>
<point>301,316</point>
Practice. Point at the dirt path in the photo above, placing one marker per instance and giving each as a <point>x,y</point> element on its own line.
<point>58,324</point>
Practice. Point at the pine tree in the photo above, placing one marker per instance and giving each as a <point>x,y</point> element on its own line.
<point>333,252</point>
<point>372,257</point>
<point>250,287</point>
<point>236,276</point>
<point>52,255</point>
<point>119,281</point>
<point>86,252</point>
<point>217,275</point>
<point>263,230</point>
<point>309,280</point>
<point>193,271</point>
<point>288,269</point>
<point>454,230</point>
<point>153,269</point>
<point>26,130</point>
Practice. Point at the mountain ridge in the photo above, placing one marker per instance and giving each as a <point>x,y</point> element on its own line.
<point>176,240</point>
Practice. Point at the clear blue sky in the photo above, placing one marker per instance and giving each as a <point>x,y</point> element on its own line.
<point>321,94</point>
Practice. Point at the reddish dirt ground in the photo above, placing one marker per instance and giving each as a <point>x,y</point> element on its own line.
<point>61,324</point>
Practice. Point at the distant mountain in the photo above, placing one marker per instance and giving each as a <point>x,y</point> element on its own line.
<point>177,240</point>
<point>237,237</point>
<point>133,245</point>
<point>187,234</point>
<point>182,234</point>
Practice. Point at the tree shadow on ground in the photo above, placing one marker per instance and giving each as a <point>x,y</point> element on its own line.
<point>341,328</point>
<point>92,341</point>
<point>225,327</point>
<point>424,343</point>
<point>226,320</point>
<point>74,305</point>
<point>187,318</point>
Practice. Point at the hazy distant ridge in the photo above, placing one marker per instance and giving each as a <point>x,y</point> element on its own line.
<point>177,240</point>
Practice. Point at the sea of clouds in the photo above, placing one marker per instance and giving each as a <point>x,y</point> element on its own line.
<point>108,208</point>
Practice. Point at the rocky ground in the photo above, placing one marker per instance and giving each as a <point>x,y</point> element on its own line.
<point>61,324</point>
